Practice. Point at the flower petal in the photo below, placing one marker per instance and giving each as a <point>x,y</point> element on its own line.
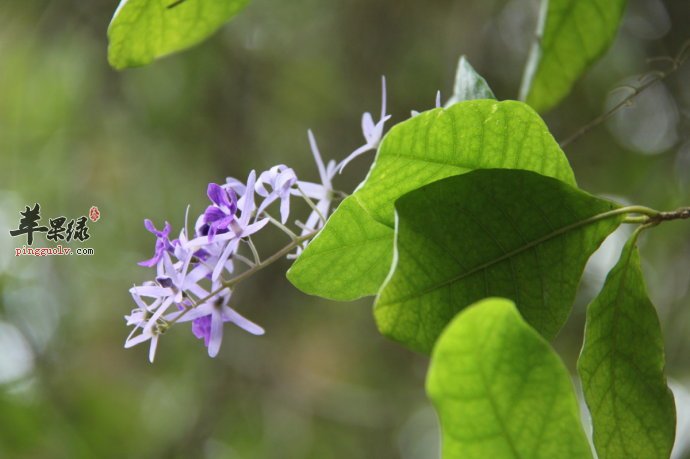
<point>361,150</point>
<point>367,126</point>
<point>383,97</point>
<point>148,224</point>
<point>245,324</point>
<point>317,158</point>
<point>217,194</point>
<point>254,227</point>
<point>151,262</point>
<point>213,213</point>
<point>151,291</point>
<point>284,208</point>
<point>312,190</point>
<point>145,335</point>
<point>229,250</point>
<point>216,333</point>
<point>152,349</point>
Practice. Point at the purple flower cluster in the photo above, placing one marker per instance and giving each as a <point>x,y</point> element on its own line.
<point>194,282</point>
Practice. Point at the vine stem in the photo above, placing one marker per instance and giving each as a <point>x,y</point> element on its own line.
<point>676,63</point>
<point>230,283</point>
<point>268,261</point>
<point>280,226</point>
<point>682,213</point>
<point>311,204</point>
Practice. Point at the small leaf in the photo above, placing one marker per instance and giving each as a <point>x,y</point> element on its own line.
<point>469,85</point>
<point>500,232</point>
<point>143,30</point>
<point>571,35</point>
<point>358,238</point>
<point>622,368</point>
<point>500,390</point>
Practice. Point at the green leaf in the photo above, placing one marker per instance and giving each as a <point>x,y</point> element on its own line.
<point>143,30</point>
<point>571,35</point>
<point>469,85</point>
<point>357,240</point>
<point>508,233</point>
<point>501,391</point>
<point>622,368</point>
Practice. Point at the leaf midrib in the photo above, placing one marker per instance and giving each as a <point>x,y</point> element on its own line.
<point>497,412</point>
<point>512,253</point>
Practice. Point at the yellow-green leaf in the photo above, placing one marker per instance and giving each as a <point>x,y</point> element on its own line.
<point>143,30</point>
<point>622,368</point>
<point>493,232</point>
<point>571,35</point>
<point>352,254</point>
<point>500,391</point>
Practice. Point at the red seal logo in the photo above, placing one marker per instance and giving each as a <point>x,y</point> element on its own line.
<point>94,214</point>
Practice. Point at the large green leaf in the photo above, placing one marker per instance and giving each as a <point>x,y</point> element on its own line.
<point>501,232</point>
<point>500,390</point>
<point>469,85</point>
<point>352,254</point>
<point>622,368</point>
<point>571,35</point>
<point>143,30</point>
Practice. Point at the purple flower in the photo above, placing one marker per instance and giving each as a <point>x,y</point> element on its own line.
<point>208,319</point>
<point>162,243</point>
<point>240,227</point>
<point>221,214</point>
<point>223,245</point>
<point>178,278</point>
<point>373,132</point>
<point>201,328</point>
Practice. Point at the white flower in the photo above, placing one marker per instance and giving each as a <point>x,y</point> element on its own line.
<point>281,180</point>
<point>145,317</point>
<point>322,192</point>
<point>373,132</point>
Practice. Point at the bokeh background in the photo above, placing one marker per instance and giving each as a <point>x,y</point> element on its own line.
<point>144,143</point>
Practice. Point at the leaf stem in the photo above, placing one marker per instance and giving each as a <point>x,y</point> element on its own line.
<point>652,217</point>
<point>255,253</point>
<point>682,213</point>
<point>280,226</point>
<point>270,260</point>
<point>635,220</point>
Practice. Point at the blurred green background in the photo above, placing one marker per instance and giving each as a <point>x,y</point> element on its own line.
<point>144,143</point>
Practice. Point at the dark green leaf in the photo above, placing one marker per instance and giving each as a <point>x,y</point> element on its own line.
<point>622,368</point>
<point>500,390</point>
<point>357,240</point>
<point>571,35</point>
<point>143,30</point>
<point>500,232</point>
<point>469,85</point>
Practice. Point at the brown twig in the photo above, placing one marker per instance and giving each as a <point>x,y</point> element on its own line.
<point>676,63</point>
